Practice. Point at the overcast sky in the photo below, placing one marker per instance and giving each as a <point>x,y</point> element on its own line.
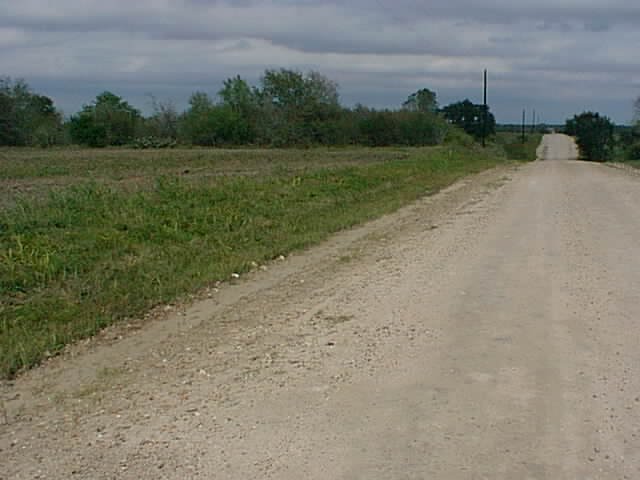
<point>558,56</point>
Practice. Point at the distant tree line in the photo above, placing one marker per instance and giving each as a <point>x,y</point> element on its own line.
<point>287,108</point>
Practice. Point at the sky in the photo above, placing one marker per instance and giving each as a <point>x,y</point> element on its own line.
<point>559,57</point>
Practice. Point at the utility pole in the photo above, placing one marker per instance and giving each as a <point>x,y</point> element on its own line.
<point>533,122</point>
<point>484,111</point>
<point>524,121</point>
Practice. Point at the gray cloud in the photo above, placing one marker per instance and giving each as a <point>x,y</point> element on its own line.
<point>560,55</point>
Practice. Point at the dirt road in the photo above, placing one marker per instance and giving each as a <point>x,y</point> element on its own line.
<point>489,332</point>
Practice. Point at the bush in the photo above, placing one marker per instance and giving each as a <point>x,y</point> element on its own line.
<point>377,129</point>
<point>419,129</point>
<point>594,136</point>
<point>457,136</point>
<point>633,151</point>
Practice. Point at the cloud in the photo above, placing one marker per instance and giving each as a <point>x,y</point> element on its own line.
<point>568,55</point>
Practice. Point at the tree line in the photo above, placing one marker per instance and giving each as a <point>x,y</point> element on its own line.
<point>286,108</point>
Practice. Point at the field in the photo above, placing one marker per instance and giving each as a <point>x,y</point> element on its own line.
<point>90,237</point>
<point>29,173</point>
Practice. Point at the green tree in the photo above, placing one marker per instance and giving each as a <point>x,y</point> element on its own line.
<point>109,120</point>
<point>239,96</point>
<point>9,118</point>
<point>297,108</point>
<point>208,124</point>
<point>421,101</point>
<point>194,121</point>
<point>200,102</point>
<point>27,118</point>
<point>469,117</point>
<point>594,135</point>
<point>243,101</point>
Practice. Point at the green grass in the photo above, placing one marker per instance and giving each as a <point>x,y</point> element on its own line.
<point>91,254</point>
<point>122,163</point>
<point>514,147</point>
<point>30,172</point>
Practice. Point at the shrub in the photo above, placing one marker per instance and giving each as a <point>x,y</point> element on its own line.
<point>594,135</point>
<point>419,129</point>
<point>633,151</point>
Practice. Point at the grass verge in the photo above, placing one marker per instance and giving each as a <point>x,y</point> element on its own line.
<point>90,255</point>
<point>515,148</point>
<point>632,163</point>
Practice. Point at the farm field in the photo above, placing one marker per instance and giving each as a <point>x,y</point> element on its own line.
<point>34,172</point>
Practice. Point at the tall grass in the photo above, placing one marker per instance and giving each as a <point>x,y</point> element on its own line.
<point>515,148</point>
<point>90,255</point>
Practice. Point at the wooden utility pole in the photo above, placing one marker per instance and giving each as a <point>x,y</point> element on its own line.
<point>524,121</point>
<point>533,122</point>
<point>484,111</point>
